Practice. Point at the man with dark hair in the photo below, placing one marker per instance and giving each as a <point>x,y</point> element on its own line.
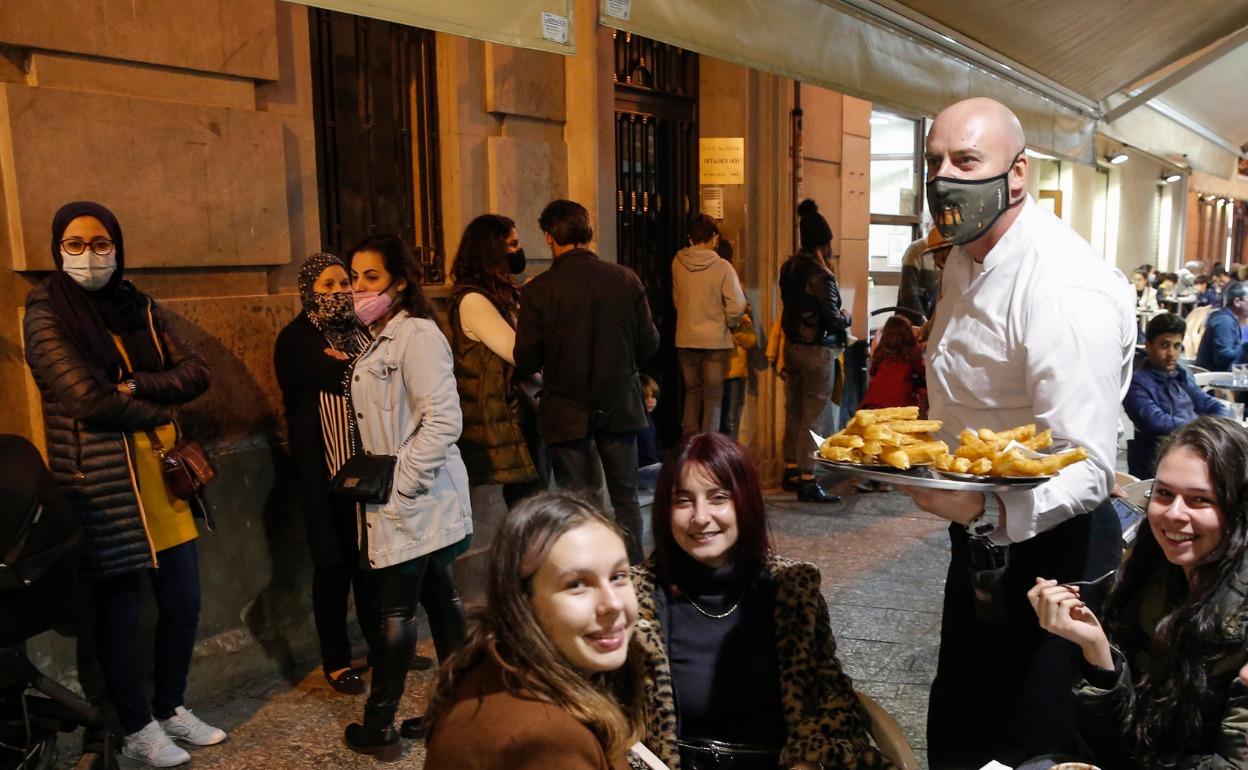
<point>1206,294</point>
<point>566,222</point>
<point>1223,342</point>
<point>585,324</point>
<point>1163,397</point>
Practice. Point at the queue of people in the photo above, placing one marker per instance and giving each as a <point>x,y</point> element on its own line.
<point>713,650</point>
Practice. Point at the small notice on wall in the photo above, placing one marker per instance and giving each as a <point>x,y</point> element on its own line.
<point>554,27</point>
<point>620,9</point>
<point>722,160</point>
<point>713,202</point>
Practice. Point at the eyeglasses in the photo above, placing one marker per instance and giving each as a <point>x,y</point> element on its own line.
<point>100,247</point>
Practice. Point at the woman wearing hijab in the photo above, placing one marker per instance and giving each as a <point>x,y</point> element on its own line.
<point>312,356</point>
<point>111,371</point>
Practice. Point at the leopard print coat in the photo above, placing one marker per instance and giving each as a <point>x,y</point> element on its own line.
<point>825,721</point>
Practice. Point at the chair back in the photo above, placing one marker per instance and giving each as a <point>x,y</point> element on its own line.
<point>887,734</point>
<point>1195,329</point>
<point>1204,378</point>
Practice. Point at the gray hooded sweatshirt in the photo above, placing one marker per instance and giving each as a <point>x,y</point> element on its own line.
<point>708,297</point>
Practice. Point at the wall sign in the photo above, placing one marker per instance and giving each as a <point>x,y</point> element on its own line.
<point>722,160</point>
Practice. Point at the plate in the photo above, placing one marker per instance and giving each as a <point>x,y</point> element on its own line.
<point>924,476</point>
<point>872,467</point>
<point>996,479</point>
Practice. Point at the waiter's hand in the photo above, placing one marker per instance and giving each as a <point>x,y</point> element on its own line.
<point>960,507</point>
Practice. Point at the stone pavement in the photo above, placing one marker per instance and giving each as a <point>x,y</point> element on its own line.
<point>883,567</point>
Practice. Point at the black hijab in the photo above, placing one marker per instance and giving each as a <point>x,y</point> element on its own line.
<point>117,308</point>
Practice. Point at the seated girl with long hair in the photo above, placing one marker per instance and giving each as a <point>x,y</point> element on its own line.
<point>897,373</point>
<point>1159,686</point>
<point>539,681</point>
<point>740,661</point>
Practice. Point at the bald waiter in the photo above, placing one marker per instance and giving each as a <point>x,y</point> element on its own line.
<point>1031,326</point>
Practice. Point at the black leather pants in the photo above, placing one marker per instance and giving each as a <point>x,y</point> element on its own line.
<point>444,608</point>
<point>397,592</point>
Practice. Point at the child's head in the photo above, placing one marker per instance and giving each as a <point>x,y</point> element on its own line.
<point>897,340</point>
<point>1202,283</point>
<point>649,392</point>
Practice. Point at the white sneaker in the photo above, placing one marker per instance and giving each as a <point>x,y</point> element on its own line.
<point>153,747</point>
<point>188,728</point>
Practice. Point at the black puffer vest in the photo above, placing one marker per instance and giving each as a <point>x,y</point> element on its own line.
<point>492,443</point>
<point>87,423</point>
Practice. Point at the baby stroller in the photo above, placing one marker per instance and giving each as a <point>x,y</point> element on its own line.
<point>39,541</point>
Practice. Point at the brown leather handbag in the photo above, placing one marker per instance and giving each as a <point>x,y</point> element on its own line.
<point>185,466</point>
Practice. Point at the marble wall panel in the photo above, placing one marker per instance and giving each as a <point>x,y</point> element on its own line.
<point>524,177</point>
<point>235,37</point>
<point>524,82</point>
<point>193,185</point>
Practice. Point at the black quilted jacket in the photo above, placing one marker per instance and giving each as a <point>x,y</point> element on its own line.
<point>87,424</point>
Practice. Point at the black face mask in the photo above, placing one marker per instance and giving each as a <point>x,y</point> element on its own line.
<point>516,261</point>
<point>965,209</point>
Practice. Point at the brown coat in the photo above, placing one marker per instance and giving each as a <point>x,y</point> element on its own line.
<point>489,728</point>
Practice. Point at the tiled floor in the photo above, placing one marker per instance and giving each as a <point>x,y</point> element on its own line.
<point>883,568</point>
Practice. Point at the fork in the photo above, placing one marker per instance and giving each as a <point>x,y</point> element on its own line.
<point>1092,582</point>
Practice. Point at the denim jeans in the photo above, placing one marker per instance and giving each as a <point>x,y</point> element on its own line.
<point>573,465</point>
<point>117,602</point>
<point>703,372</point>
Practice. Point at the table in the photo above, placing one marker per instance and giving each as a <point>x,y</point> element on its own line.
<point>1226,383</point>
<point>1147,315</point>
<point>1180,302</point>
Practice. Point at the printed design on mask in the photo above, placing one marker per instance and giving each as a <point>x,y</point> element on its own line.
<point>332,311</point>
<point>965,209</point>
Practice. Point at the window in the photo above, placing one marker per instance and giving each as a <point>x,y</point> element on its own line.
<point>376,135</point>
<point>896,186</point>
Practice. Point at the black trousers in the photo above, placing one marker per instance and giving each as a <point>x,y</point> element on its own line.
<point>445,609</point>
<point>573,465</point>
<point>397,591</point>
<point>1004,692</point>
<point>336,574</point>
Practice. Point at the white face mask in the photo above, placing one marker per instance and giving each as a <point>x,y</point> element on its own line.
<point>89,270</point>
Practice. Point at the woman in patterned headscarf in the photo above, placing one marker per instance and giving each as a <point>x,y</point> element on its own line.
<point>312,356</point>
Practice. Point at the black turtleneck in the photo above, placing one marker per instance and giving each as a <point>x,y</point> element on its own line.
<point>724,669</point>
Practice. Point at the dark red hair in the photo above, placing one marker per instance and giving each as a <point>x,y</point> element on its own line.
<point>725,461</point>
<point>897,343</point>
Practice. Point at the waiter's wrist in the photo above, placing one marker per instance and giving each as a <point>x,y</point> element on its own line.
<point>983,521</point>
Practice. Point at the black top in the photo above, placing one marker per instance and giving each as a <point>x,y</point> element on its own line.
<point>812,302</point>
<point>585,323</point>
<point>724,670</point>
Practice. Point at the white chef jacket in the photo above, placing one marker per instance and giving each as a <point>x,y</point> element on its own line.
<point>1043,331</point>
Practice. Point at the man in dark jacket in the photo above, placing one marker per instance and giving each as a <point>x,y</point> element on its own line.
<point>1223,341</point>
<point>1163,397</point>
<point>586,325</point>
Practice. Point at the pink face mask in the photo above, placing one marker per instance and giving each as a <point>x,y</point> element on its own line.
<point>371,305</point>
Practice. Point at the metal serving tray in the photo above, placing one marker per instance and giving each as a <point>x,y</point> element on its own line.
<point>925,476</point>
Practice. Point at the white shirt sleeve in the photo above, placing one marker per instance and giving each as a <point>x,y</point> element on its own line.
<point>1075,380</point>
<point>481,321</point>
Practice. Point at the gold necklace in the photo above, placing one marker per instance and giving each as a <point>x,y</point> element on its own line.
<point>713,615</point>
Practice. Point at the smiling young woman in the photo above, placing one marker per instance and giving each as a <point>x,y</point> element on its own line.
<point>738,647</point>
<point>544,680</point>
<point>1165,694</point>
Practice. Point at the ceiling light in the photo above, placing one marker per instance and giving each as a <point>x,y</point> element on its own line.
<point>1172,178</point>
<point>1117,159</point>
<point>1039,155</point>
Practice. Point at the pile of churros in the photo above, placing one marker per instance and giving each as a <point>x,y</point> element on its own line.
<point>983,453</point>
<point>893,437</point>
